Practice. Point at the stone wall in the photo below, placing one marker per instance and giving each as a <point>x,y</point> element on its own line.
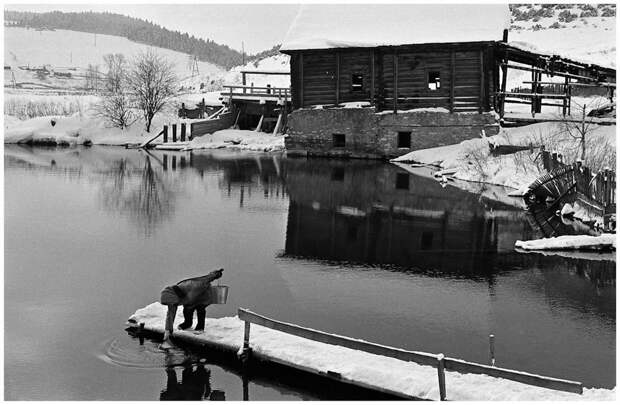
<point>375,135</point>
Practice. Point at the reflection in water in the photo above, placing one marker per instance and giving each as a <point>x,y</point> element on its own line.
<point>143,194</point>
<point>372,213</point>
<point>195,385</point>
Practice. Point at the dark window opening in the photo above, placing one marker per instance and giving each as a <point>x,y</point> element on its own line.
<point>338,140</point>
<point>357,82</point>
<point>427,240</point>
<point>338,174</point>
<point>402,181</point>
<point>404,139</point>
<point>434,81</point>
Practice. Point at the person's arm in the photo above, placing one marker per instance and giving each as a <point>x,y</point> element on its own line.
<point>172,311</point>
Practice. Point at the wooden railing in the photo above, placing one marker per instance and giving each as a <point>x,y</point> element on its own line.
<point>253,91</point>
<point>439,361</point>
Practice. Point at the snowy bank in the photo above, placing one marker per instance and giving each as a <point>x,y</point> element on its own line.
<point>570,242</point>
<point>473,160</point>
<point>409,378</point>
<point>239,139</point>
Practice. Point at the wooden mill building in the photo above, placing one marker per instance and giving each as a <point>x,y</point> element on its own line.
<point>417,76</point>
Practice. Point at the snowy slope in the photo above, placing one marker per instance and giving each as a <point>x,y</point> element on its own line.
<point>63,48</point>
<point>279,63</point>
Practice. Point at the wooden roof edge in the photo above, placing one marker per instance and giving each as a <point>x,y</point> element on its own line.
<point>383,47</point>
<point>536,55</point>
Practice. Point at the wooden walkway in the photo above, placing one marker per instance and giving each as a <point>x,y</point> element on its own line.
<point>308,357</point>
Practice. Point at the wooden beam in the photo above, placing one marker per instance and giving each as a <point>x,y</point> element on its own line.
<point>372,77</point>
<point>301,80</point>
<point>481,99</point>
<point>529,69</point>
<point>503,89</point>
<point>337,77</point>
<point>395,64</point>
<point>452,78</point>
<point>355,344</point>
<point>462,366</point>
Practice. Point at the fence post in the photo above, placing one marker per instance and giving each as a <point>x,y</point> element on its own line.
<point>245,354</point>
<point>441,373</point>
<point>174,132</point>
<point>165,133</point>
<point>141,333</point>
<point>183,129</point>
<point>492,349</point>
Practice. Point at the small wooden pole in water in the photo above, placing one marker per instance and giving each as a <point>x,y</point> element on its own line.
<point>174,132</point>
<point>492,349</point>
<point>141,333</point>
<point>246,343</point>
<point>165,133</point>
<point>183,130</point>
<point>441,373</point>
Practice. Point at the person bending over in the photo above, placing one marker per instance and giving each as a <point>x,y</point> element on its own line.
<point>195,295</point>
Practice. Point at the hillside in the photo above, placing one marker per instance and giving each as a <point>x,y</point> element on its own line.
<point>134,29</point>
<point>72,49</point>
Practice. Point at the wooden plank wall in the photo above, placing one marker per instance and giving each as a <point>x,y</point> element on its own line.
<point>472,71</point>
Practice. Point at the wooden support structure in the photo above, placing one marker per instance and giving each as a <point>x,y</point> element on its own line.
<point>395,65</point>
<point>183,131</point>
<point>502,96</point>
<point>372,78</point>
<point>174,132</point>
<point>301,80</point>
<point>441,374</point>
<point>482,82</point>
<point>337,78</point>
<point>492,349</point>
<point>165,130</point>
<point>452,78</point>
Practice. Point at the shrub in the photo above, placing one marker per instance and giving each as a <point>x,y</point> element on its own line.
<point>555,25</point>
<point>566,16</point>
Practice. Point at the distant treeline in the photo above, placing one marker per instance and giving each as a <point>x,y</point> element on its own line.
<point>137,30</point>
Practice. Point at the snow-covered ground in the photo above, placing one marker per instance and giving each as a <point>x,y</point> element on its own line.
<point>406,377</point>
<point>472,159</point>
<point>63,48</point>
<point>570,242</point>
<point>239,139</point>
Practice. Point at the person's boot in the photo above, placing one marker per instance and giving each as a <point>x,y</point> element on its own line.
<point>201,313</point>
<point>188,318</point>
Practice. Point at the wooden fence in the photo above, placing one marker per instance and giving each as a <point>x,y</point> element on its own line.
<point>600,187</point>
<point>438,361</point>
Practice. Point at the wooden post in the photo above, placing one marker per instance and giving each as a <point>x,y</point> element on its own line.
<point>481,98</point>
<point>245,354</point>
<point>183,114</point>
<point>452,78</point>
<point>301,80</point>
<point>441,374</point>
<point>337,78</point>
<point>372,77</point>
<point>505,36</point>
<point>492,349</point>
<point>183,130</point>
<point>165,162</point>
<point>564,100</point>
<point>243,80</point>
<point>203,108</point>
<point>534,86</point>
<point>174,162</point>
<point>395,65</point>
<point>503,88</point>
<point>141,333</point>
<point>174,132</point>
<point>165,133</point>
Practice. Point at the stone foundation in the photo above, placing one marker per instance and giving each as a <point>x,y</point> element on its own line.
<point>376,135</point>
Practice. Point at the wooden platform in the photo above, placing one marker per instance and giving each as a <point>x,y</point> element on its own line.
<point>403,373</point>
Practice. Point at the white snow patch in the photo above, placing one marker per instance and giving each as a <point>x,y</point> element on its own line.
<point>569,242</point>
<point>239,139</point>
<point>407,377</point>
<point>350,25</point>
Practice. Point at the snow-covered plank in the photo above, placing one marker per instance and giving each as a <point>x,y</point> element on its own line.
<point>570,242</point>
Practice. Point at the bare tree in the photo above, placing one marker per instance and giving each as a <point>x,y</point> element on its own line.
<point>152,82</point>
<point>116,105</point>
<point>92,77</point>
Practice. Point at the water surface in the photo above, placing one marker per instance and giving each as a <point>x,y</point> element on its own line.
<point>357,248</point>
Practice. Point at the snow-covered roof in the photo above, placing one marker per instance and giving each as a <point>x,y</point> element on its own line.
<point>321,26</point>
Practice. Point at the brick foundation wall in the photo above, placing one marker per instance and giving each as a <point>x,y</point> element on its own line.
<point>375,136</point>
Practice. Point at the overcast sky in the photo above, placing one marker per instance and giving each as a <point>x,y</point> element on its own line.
<point>259,26</point>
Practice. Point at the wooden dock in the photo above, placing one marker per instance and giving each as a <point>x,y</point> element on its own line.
<point>406,374</point>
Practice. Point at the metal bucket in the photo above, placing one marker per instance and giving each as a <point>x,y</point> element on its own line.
<point>219,294</point>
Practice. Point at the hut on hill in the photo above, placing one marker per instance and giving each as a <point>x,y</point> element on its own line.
<point>379,81</point>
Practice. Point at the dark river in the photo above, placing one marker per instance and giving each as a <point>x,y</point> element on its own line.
<point>357,248</point>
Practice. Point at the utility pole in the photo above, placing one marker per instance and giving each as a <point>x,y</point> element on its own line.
<point>95,40</point>
<point>242,54</point>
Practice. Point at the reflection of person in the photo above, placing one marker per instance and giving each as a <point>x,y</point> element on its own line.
<point>195,384</point>
<point>195,295</point>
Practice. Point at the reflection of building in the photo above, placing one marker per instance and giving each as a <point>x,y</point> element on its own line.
<point>369,212</point>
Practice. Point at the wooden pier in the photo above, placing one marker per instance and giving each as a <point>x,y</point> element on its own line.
<point>262,340</point>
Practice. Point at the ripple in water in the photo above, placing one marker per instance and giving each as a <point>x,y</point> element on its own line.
<point>129,353</point>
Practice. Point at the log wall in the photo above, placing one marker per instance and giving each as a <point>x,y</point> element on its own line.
<point>468,76</point>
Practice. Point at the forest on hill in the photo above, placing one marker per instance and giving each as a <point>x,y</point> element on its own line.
<point>137,30</point>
